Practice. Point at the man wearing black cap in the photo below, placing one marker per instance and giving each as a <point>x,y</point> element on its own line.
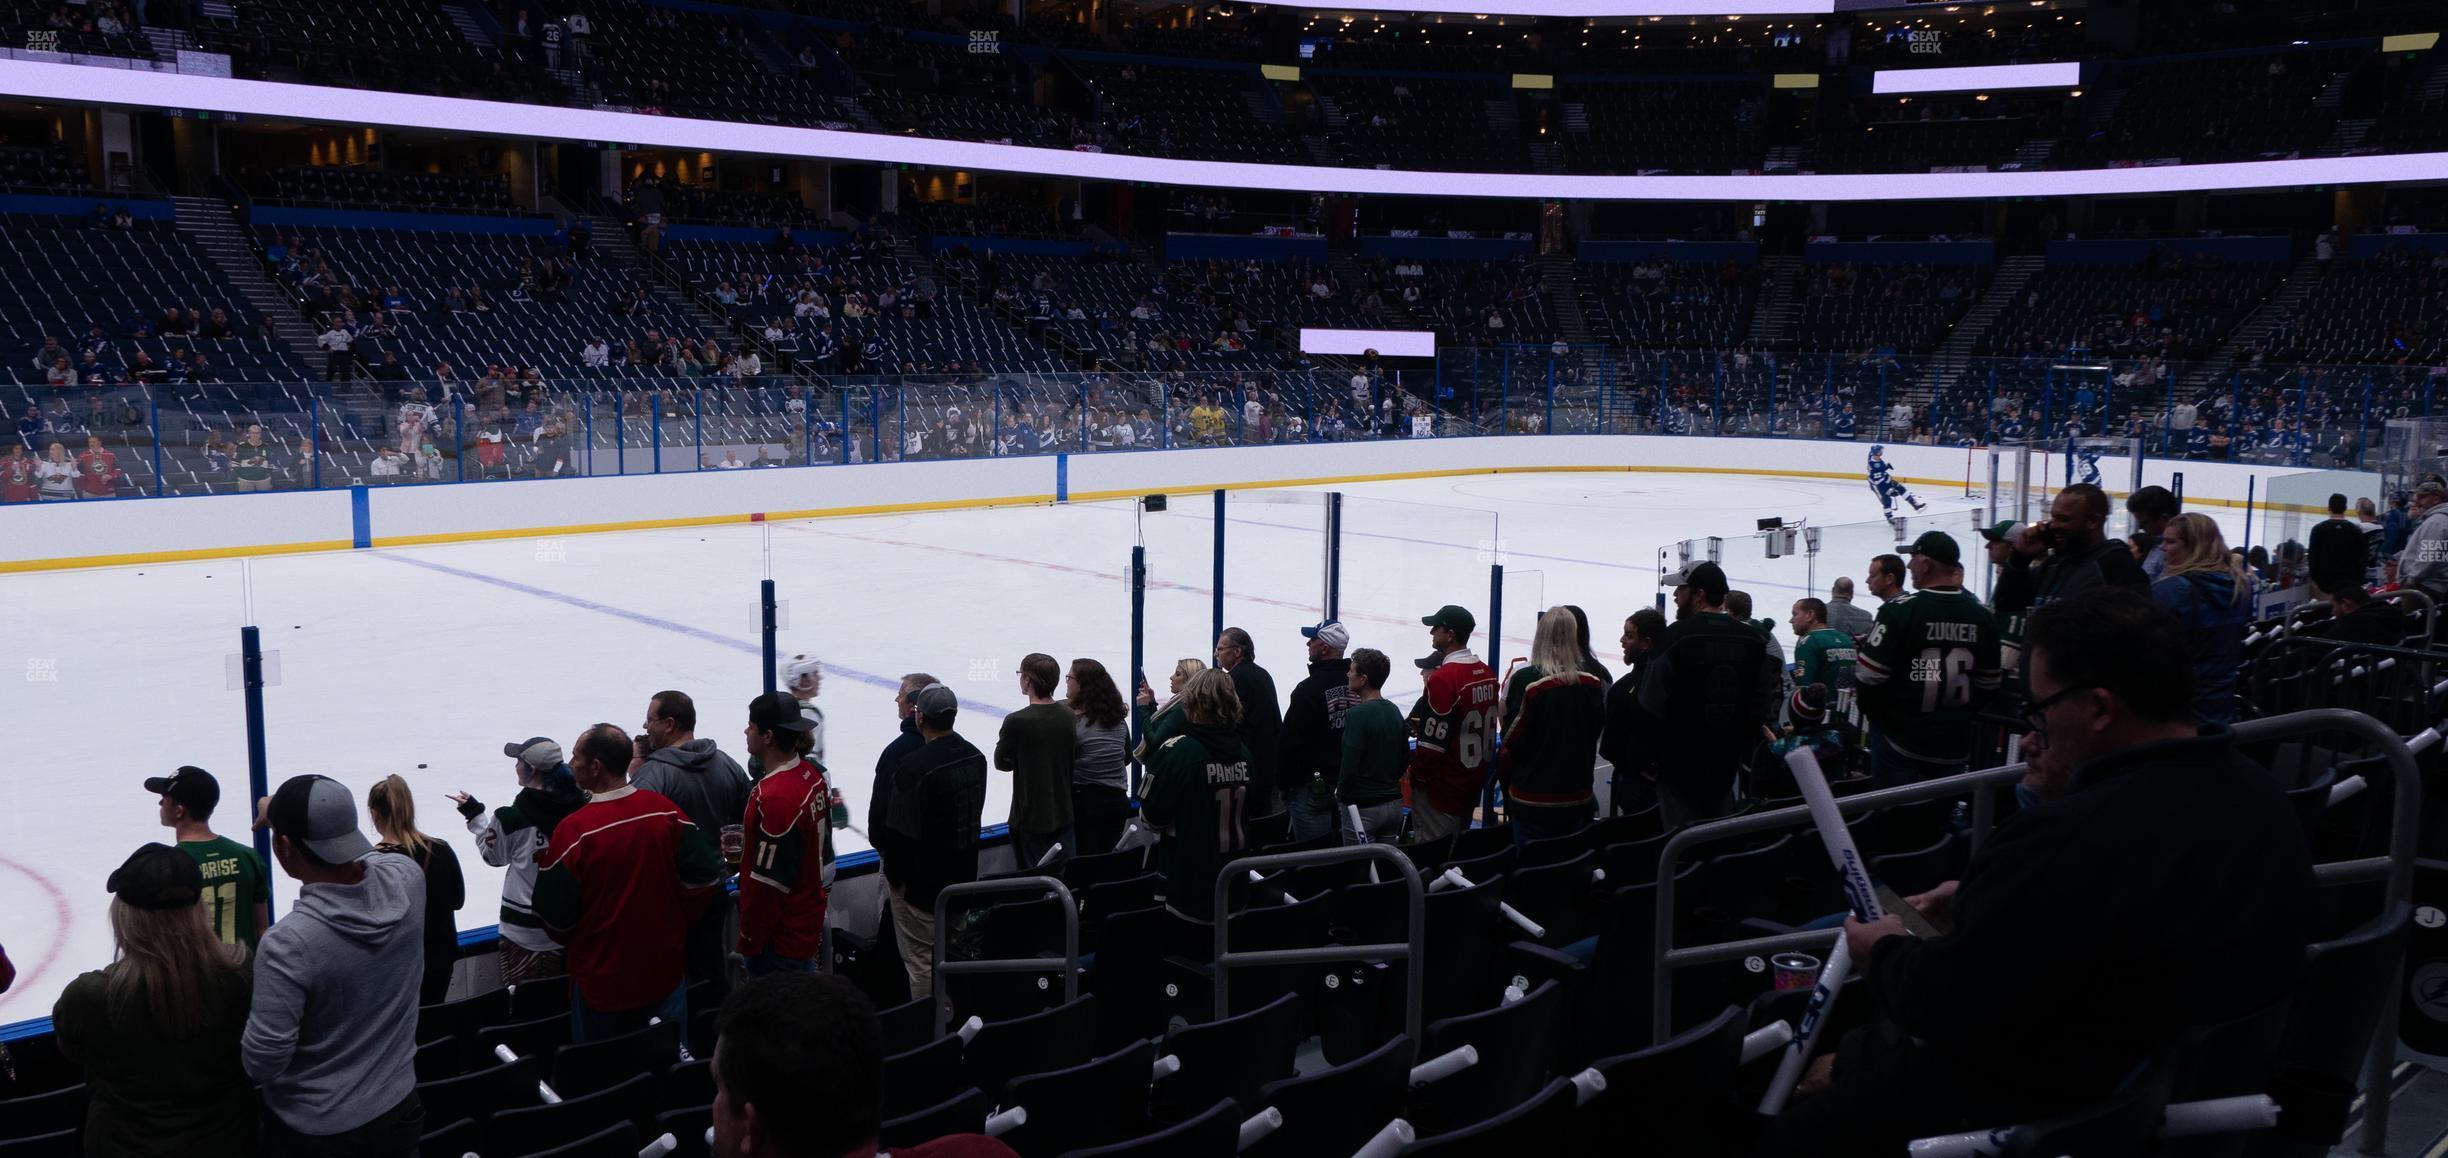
<point>788,828</point>
<point>1710,692</point>
<point>332,1033</point>
<point>511,837</point>
<point>1455,720</point>
<point>1929,657</point>
<point>237,891</point>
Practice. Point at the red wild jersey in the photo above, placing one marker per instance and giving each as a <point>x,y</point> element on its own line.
<point>1455,720</point>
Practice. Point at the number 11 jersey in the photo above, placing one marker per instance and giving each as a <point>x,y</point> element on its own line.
<point>233,882</point>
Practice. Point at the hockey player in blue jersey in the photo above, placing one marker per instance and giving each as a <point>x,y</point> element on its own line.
<point>2086,465</point>
<point>1883,484</point>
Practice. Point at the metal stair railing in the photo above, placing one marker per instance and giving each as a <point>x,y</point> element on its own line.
<point>943,939</point>
<point>2396,868</point>
<point>1412,952</point>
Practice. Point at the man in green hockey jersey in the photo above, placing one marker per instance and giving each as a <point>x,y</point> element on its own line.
<point>1929,657</point>
<point>237,893</point>
<point>1823,656</point>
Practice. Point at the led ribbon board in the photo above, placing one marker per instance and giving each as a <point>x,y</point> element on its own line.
<point>1975,78</point>
<point>36,80</point>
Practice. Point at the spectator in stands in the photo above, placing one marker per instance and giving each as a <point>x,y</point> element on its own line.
<point>1738,605</point>
<point>1197,784</point>
<point>156,1032</point>
<point>98,475</point>
<point>1551,742</point>
<point>51,353</point>
<point>511,837</point>
<point>1037,745</point>
<point>251,461</point>
<point>393,810</point>
<point>1452,720</point>
<point>1100,773</point>
<point>2423,563</point>
<point>930,834</point>
<point>1928,662</point>
<point>2210,593</point>
<point>1160,722</point>
<point>1374,748</point>
<point>1311,740</point>
<point>595,355</point>
<point>1886,578</point>
<point>217,328</point>
<point>1710,689</point>
<point>797,1070</point>
<point>2339,554</point>
<point>1260,717</point>
<point>1842,614</point>
<point>56,475</point>
<point>2155,848</point>
<point>903,743</point>
<point>788,842</point>
<point>331,1034</point>
<point>2079,554</point>
<point>1620,746</point>
<point>621,882</point>
<point>672,761</point>
<point>173,323</point>
<point>2355,616</point>
<point>2152,508</point>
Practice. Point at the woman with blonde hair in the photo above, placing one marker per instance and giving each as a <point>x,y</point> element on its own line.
<point>157,1031</point>
<point>1164,721</point>
<point>1198,787</point>
<point>393,810</point>
<point>1551,746</point>
<point>2210,592</point>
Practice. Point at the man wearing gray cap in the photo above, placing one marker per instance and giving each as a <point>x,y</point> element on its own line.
<point>332,1033</point>
<point>2423,564</point>
<point>930,834</point>
<point>509,837</point>
<point>1311,744</point>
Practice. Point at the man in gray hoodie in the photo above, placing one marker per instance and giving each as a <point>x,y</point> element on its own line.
<point>332,1032</point>
<point>712,791</point>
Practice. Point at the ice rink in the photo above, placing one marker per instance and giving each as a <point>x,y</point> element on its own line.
<point>424,661</point>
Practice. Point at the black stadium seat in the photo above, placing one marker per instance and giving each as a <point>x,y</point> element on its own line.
<point>1214,1132</point>
<point>536,1128</point>
<point>1097,1102</point>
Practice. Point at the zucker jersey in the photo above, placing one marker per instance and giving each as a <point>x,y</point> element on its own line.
<point>1930,655</point>
<point>1456,722</point>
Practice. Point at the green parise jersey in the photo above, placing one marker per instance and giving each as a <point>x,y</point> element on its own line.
<point>1928,658</point>
<point>233,882</point>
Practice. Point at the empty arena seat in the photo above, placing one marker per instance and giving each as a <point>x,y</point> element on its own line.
<point>1214,1132</point>
<point>533,1129</point>
<point>962,1113</point>
<point>1096,1102</point>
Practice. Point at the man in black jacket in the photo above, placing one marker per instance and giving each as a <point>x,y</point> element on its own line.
<point>930,834</point>
<point>1261,717</point>
<point>2069,553</point>
<point>1630,788</point>
<point>903,744</point>
<point>2340,554</point>
<point>2163,883</point>
<point>1311,747</point>
<point>1708,696</point>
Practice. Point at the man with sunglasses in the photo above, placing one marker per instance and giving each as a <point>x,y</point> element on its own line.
<point>2160,883</point>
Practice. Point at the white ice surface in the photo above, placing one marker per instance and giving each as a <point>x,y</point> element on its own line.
<point>424,661</point>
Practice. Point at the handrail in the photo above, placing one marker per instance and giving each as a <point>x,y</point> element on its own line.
<point>1413,953</point>
<point>2396,868</point>
<point>943,937</point>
